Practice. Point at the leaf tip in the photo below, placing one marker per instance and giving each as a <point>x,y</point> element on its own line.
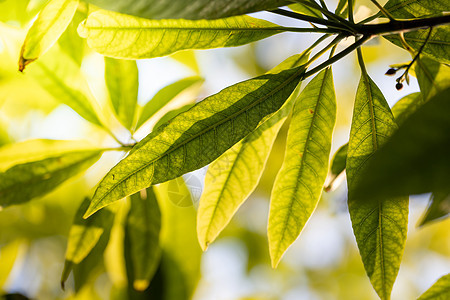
<point>141,284</point>
<point>23,62</point>
<point>82,30</point>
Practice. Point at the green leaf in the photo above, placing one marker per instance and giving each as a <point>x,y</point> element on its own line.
<point>142,229</point>
<point>70,42</point>
<point>439,207</point>
<point>305,10</point>
<point>439,291</point>
<point>416,8</point>
<point>432,76</point>
<point>379,225</point>
<point>38,149</point>
<point>50,24</point>
<point>338,164</point>
<point>164,96</point>
<point>437,47</point>
<point>415,160</point>
<point>197,137</point>
<point>172,114</point>
<point>123,36</point>
<point>122,80</point>
<point>23,182</point>
<point>188,59</point>
<point>195,9</point>
<point>235,174</point>
<point>299,183</point>
<point>61,77</point>
<point>84,236</point>
<point>404,107</point>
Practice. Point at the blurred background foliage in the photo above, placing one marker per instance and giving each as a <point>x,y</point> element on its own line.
<point>323,263</point>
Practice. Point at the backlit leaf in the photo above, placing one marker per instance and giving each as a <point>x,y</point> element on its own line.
<point>437,47</point>
<point>439,207</point>
<point>338,164</point>
<point>172,114</point>
<point>299,183</point>
<point>46,29</point>
<point>23,182</point>
<point>123,36</point>
<point>432,76</point>
<point>415,160</point>
<point>305,10</point>
<point>195,138</point>
<point>122,81</point>
<point>379,225</point>
<point>70,41</point>
<point>164,96</point>
<point>194,9</point>
<point>142,229</point>
<point>83,236</point>
<point>404,107</point>
<point>440,290</point>
<point>416,8</point>
<point>235,174</point>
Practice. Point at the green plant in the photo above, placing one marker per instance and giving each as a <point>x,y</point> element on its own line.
<point>391,154</point>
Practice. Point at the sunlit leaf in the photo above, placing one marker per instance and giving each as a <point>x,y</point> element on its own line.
<point>172,114</point>
<point>61,77</point>
<point>404,107</point>
<point>46,29</point>
<point>124,36</point>
<point>439,207</point>
<point>379,225</point>
<point>416,8</point>
<point>440,290</point>
<point>122,81</point>
<point>142,229</point>
<point>194,9</point>
<point>38,149</point>
<point>70,41</point>
<point>235,174</point>
<point>305,10</point>
<point>9,253</point>
<point>84,236</point>
<point>23,182</point>
<point>432,76</point>
<point>197,137</point>
<point>188,59</point>
<point>415,160</point>
<point>164,96</point>
<point>299,183</point>
<point>437,47</point>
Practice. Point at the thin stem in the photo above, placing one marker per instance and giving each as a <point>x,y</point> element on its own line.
<point>325,49</point>
<point>383,10</point>
<point>311,30</point>
<point>106,129</point>
<point>350,11</point>
<point>123,148</point>
<point>371,18</point>
<point>324,5</point>
<point>306,18</point>
<point>361,61</point>
<point>338,56</point>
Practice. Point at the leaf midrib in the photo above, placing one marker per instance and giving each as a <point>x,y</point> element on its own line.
<point>232,116</point>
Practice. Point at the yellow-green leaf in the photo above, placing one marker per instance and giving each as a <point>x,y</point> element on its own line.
<point>122,81</point>
<point>235,174</point>
<point>193,9</point>
<point>23,182</point>
<point>46,29</point>
<point>404,107</point>
<point>379,225</point>
<point>198,136</point>
<point>84,236</point>
<point>299,183</point>
<point>142,228</point>
<point>164,96</point>
<point>123,36</point>
<point>432,76</point>
<point>439,291</point>
<point>438,207</point>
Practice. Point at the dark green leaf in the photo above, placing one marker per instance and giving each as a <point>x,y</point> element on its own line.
<point>437,47</point>
<point>197,137</point>
<point>194,9</point>
<point>142,229</point>
<point>432,76</point>
<point>380,225</point>
<point>84,236</point>
<point>439,291</point>
<point>164,96</point>
<point>23,182</point>
<point>438,207</point>
<point>402,9</point>
<point>415,160</point>
<point>338,164</point>
<point>122,81</point>
<point>299,183</point>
